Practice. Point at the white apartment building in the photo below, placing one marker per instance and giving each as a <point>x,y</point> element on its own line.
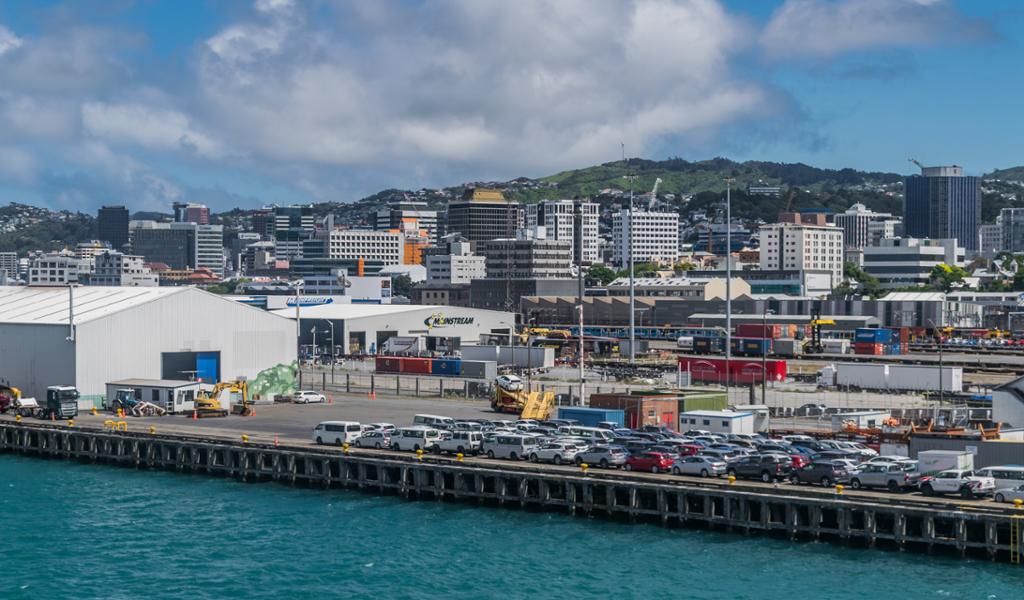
<point>654,236</point>
<point>558,218</point>
<point>56,269</point>
<point>793,247</point>
<point>88,250</point>
<point>884,229</point>
<point>902,262</point>
<point>209,249</point>
<point>990,238</point>
<point>117,269</point>
<point>856,224</point>
<point>460,265</point>
<point>353,244</point>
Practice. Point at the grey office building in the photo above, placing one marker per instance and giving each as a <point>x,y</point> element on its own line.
<point>112,226</point>
<point>942,203</point>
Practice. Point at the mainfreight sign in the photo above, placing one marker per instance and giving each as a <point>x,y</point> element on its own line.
<point>437,320</point>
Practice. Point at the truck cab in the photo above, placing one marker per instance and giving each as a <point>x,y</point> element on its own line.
<point>61,402</point>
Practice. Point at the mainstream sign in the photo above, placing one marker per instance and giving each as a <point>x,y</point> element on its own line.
<point>439,320</point>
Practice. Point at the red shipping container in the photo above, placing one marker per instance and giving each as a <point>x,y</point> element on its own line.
<point>868,348</point>
<point>388,364</point>
<point>419,366</point>
<point>757,330</point>
<point>747,370</point>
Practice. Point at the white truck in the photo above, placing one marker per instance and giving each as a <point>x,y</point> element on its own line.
<point>957,481</point>
<point>930,462</point>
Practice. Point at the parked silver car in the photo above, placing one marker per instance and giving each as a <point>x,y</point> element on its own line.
<point>603,456</point>
<point>556,452</point>
<point>892,476</point>
<point>705,466</point>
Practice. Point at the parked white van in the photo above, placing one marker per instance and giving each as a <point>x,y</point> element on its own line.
<point>592,435</point>
<point>434,421</point>
<point>1006,476</point>
<point>337,432</point>
<point>417,437</point>
<point>512,445</point>
<point>464,442</point>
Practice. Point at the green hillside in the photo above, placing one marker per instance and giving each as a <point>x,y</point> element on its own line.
<point>1011,174</point>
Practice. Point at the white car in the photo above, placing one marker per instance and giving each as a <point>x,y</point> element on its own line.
<point>510,383</point>
<point>705,466</point>
<point>890,458</point>
<point>957,481</point>
<point>388,427</point>
<point>1010,494</point>
<point>374,439</point>
<point>308,397</point>
<point>556,452</point>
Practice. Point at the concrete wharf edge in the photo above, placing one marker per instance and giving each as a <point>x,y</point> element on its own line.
<point>973,531</point>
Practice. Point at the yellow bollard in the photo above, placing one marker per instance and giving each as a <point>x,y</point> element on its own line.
<point>584,467</point>
<point>152,430</point>
<point>1017,503</point>
<point>245,439</point>
<point>71,422</point>
<point>344,447</point>
<point>459,457</point>
<point>732,479</point>
<point>93,411</point>
<point>17,418</point>
<point>419,454</point>
<point>839,490</point>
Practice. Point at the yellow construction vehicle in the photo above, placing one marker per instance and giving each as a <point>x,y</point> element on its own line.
<point>235,393</point>
<point>9,397</point>
<point>510,397</point>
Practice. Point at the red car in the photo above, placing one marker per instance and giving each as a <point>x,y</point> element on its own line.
<point>655,462</point>
<point>800,460</point>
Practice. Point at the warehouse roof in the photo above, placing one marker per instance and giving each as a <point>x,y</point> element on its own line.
<point>913,297</point>
<point>355,311</point>
<point>49,305</point>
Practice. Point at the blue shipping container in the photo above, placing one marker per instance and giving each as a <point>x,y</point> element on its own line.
<point>590,417</point>
<point>872,335</point>
<point>446,366</point>
<point>751,346</point>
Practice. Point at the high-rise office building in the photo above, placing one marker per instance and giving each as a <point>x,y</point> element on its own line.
<point>797,247</point>
<point>292,226</point>
<point>943,203</point>
<point>560,221</point>
<point>519,259</point>
<point>483,214</point>
<point>112,226</point>
<point>209,252</point>
<point>173,244</point>
<point>1011,222</point>
<point>9,264</point>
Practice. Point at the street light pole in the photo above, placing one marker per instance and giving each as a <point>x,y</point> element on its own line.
<point>764,355</point>
<point>334,355</point>
<point>298,331</point>
<point>632,288</point>
<point>728,282</point>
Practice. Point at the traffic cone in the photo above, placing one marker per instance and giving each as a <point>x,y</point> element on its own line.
<point>53,417</point>
<point>275,441</point>
<point>195,417</point>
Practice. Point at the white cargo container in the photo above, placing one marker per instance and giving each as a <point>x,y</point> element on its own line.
<point>835,346</point>
<point>863,376</point>
<point>925,378</point>
<point>520,356</point>
<point>932,461</point>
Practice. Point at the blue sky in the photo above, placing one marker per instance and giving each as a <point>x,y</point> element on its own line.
<point>146,102</point>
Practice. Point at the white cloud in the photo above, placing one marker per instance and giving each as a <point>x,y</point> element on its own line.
<point>17,165</point>
<point>8,41</point>
<point>816,29</point>
<point>149,127</point>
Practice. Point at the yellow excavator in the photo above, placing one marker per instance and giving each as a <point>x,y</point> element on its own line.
<point>10,396</point>
<point>235,393</point>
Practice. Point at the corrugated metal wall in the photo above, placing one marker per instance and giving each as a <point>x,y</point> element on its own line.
<point>33,357</point>
<point>129,344</point>
<point>989,453</point>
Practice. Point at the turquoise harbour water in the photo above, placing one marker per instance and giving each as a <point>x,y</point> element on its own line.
<point>86,531</point>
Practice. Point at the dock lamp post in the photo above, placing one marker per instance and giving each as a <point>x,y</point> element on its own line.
<point>764,354</point>
<point>941,386</point>
<point>728,281</point>
<point>297,284</point>
<point>334,354</point>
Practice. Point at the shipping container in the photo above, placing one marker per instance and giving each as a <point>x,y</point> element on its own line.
<point>708,345</point>
<point>873,335</point>
<point>861,376</point>
<point>931,462</point>
<point>740,370</point>
<point>388,364</point>
<point>446,366</point>
<point>479,369</point>
<point>419,366</point>
<point>835,346</point>
<point>925,378</point>
<point>691,402</point>
<point>788,347</point>
<point>590,417</point>
<point>868,348</point>
<point>641,410</point>
<point>758,330</point>
<point>751,346</point>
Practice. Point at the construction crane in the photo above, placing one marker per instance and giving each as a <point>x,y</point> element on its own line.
<point>915,161</point>
<point>654,194</point>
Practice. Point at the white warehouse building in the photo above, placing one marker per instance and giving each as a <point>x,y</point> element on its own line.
<point>133,333</point>
<point>364,328</point>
